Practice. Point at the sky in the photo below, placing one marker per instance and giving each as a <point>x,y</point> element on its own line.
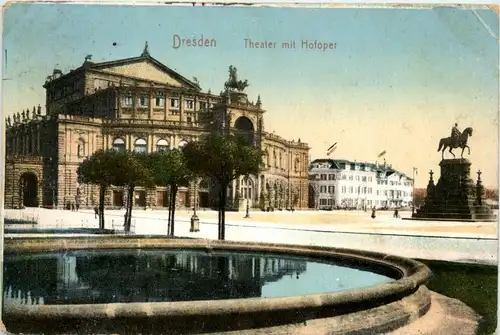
<point>396,80</point>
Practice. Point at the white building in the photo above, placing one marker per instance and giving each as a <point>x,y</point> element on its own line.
<point>337,183</point>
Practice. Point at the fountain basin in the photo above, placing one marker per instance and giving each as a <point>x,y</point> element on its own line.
<point>398,298</point>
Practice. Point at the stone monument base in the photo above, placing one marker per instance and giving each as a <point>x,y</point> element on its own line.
<point>455,197</point>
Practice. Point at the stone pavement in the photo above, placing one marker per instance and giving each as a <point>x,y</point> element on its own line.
<point>446,316</point>
<point>470,242</point>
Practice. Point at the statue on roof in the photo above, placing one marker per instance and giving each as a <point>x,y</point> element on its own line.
<point>145,52</point>
<point>33,114</point>
<point>23,115</point>
<point>7,121</point>
<point>39,110</point>
<point>233,83</point>
<point>88,58</point>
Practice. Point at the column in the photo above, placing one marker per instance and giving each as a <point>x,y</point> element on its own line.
<point>165,107</point>
<point>181,107</point>
<point>152,98</point>
<point>150,143</point>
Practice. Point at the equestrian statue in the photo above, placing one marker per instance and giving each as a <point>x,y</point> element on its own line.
<point>456,140</point>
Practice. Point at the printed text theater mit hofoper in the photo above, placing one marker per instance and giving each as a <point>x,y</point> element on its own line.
<point>202,42</point>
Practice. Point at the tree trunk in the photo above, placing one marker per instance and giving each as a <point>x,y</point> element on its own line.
<point>169,210</point>
<point>174,195</point>
<point>128,210</point>
<point>102,193</point>
<point>222,235</point>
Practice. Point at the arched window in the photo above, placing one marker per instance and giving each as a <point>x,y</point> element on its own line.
<point>140,146</point>
<point>162,145</point>
<point>119,145</point>
<point>182,144</point>
<point>80,148</point>
<point>246,188</point>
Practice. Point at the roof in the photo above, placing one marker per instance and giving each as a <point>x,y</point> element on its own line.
<point>147,57</point>
<point>340,164</point>
<point>144,57</point>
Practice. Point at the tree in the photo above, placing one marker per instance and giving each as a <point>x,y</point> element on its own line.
<point>169,168</point>
<point>132,172</point>
<point>100,169</point>
<point>222,158</point>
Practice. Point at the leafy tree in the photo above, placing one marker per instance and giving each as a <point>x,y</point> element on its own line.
<point>222,158</point>
<point>132,172</point>
<point>169,168</point>
<point>100,169</point>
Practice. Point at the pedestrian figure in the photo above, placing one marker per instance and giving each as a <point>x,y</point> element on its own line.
<point>96,212</point>
<point>396,213</point>
<point>373,212</point>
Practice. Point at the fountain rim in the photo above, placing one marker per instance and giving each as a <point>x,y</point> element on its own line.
<point>414,275</point>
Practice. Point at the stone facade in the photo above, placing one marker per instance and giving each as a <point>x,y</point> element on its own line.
<point>140,104</point>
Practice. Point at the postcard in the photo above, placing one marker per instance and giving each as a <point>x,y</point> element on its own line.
<point>206,168</point>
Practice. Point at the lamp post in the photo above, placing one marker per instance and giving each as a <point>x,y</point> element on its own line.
<point>247,214</point>
<point>413,192</point>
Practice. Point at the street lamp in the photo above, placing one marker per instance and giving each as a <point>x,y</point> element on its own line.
<point>247,214</point>
<point>194,198</point>
<point>413,191</point>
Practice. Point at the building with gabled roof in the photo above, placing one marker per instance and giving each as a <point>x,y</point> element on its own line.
<point>340,183</point>
<point>142,105</point>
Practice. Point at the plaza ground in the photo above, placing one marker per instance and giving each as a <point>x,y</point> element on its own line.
<point>474,242</point>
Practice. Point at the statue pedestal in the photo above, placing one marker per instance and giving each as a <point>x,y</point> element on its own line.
<point>455,196</point>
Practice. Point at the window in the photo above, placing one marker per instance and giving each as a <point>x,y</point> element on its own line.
<point>162,145</point>
<point>189,119</point>
<point>119,145</point>
<point>322,189</point>
<point>343,189</point>
<point>140,146</point>
<point>203,105</point>
<point>80,148</point>
<point>331,176</point>
<point>174,103</point>
<point>357,178</point>
<point>128,100</point>
<point>350,177</point>
<point>143,101</point>
<point>331,189</point>
<point>189,104</point>
<point>364,179</point>
<point>351,189</point>
<point>159,101</point>
<point>246,188</point>
<point>323,177</point>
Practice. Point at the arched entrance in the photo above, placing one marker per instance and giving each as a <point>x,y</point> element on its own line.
<point>28,189</point>
<point>244,127</point>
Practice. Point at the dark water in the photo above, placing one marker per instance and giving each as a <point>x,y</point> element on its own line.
<point>90,277</point>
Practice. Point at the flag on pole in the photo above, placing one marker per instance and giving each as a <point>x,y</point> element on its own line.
<point>382,154</point>
<point>331,149</point>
